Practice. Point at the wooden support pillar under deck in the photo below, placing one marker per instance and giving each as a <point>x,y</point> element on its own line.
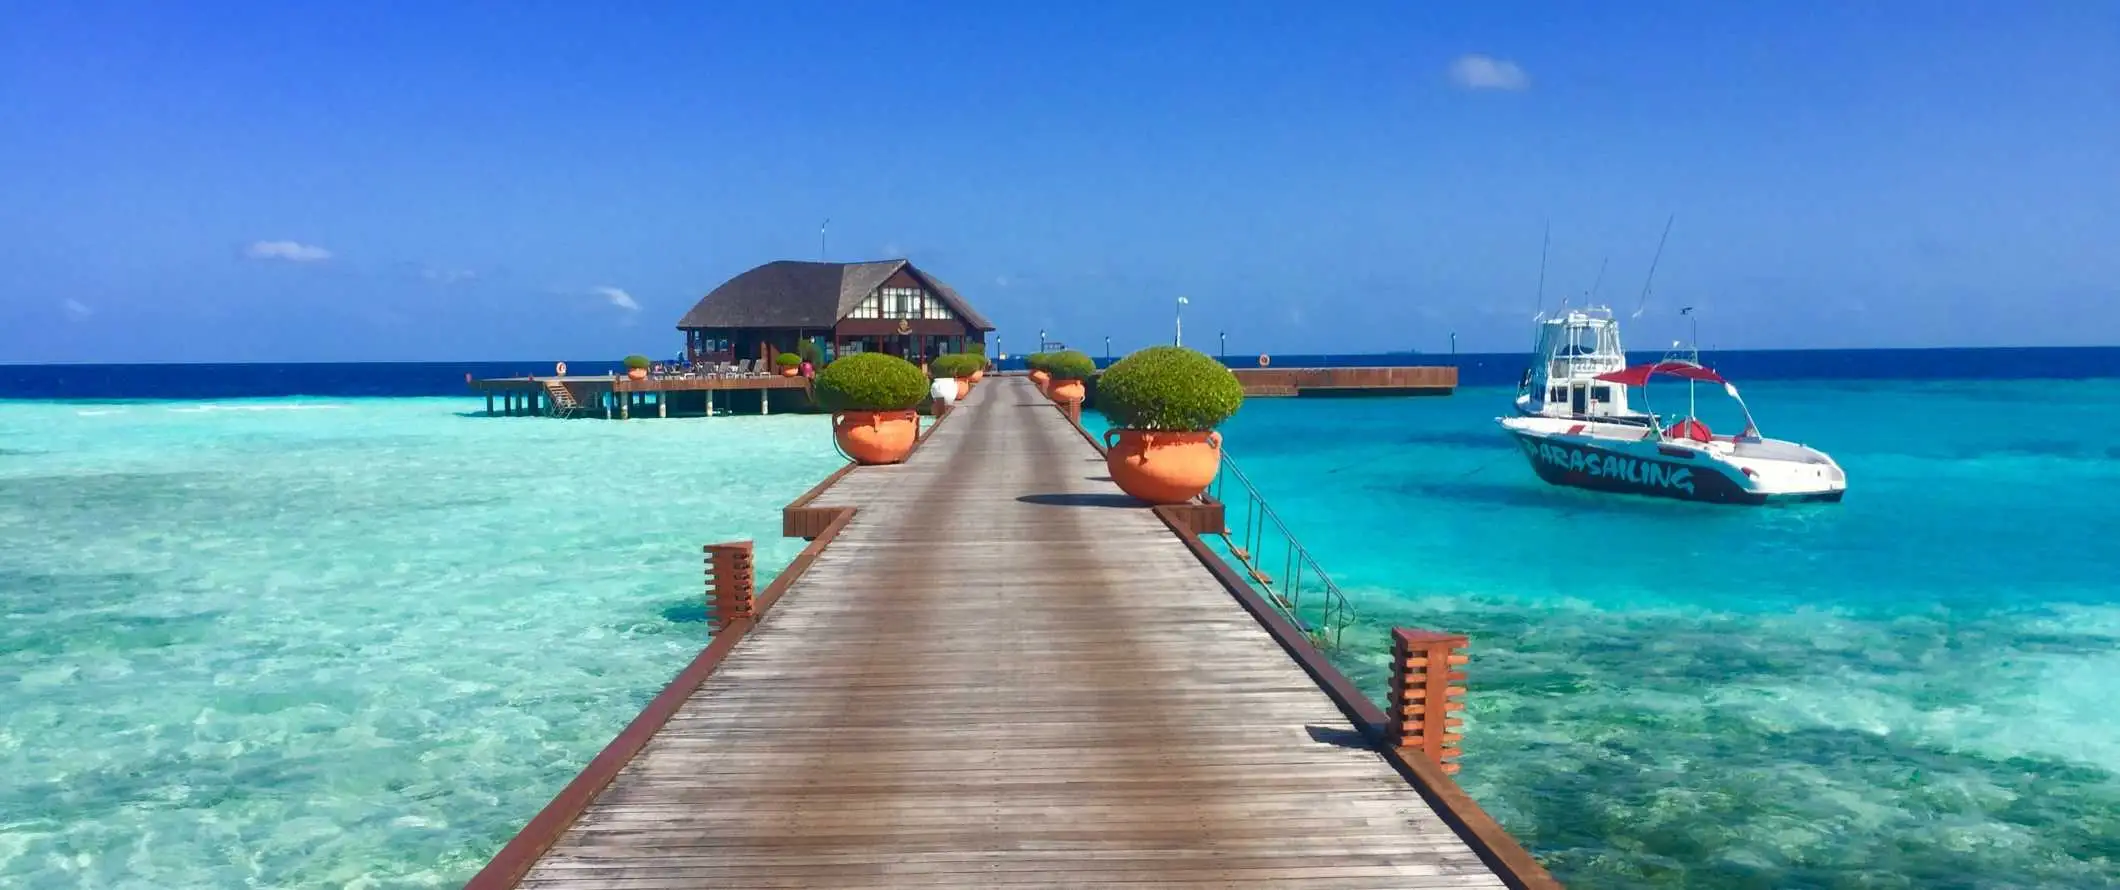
<point>1423,668</point>
<point>489,403</point>
<point>662,404</point>
<point>730,594</point>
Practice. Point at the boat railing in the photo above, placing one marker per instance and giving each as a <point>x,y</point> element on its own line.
<point>1262,543</point>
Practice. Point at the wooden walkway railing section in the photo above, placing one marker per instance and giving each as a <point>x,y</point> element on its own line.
<point>990,668</point>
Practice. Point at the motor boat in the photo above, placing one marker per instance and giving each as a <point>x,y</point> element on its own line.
<point>1573,348</point>
<point>1599,444</point>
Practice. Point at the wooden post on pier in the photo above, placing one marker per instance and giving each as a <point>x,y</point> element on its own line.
<point>662,404</point>
<point>1073,410</point>
<point>730,594</point>
<point>1423,698</point>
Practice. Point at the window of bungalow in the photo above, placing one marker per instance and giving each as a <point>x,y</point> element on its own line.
<point>868,308</point>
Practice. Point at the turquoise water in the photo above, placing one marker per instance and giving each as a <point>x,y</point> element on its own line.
<point>341,643</point>
<point>1918,687</point>
<point>359,642</point>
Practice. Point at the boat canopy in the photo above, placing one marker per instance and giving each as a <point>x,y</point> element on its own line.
<point>1638,375</point>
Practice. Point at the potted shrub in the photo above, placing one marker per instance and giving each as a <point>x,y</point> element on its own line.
<point>790,364</point>
<point>958,366</point>
<point>1036,362</point>
<point>637,367</point>
<point>978,351</point>
<point>1164,403</point>
<point>872,397</point>
<point>1068,370</point>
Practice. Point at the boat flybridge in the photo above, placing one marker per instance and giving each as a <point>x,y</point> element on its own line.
<point>1627,452</point>
<point>1574,347</point>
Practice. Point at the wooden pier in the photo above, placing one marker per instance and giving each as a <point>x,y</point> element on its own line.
<point>1407,381</point>
<point>990,668</point>
<point>621,398</point>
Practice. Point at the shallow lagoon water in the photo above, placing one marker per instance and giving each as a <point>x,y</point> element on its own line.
<point>341,642</point>
<point>312,642</point>
<point>1917,687</point>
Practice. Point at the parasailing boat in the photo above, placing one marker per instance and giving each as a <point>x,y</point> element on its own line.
<point>1602,445</point>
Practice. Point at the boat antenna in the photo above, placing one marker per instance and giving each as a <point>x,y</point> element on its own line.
<point>1545,242</point>
<point>1600,279</point>
<point>1644,301</point>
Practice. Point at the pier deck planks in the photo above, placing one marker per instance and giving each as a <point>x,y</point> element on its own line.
<point>1003,673</point>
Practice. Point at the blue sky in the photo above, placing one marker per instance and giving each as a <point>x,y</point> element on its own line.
<point>397,181</point>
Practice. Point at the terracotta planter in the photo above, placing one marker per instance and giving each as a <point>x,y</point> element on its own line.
<point>978,374</point>
<point>1066,392</point>
<point>876,437</point>
<point>637,373</point>
<point>1162,467</point>
<point>964,388</point>
<point>790,371</point>
<point>1038,379</point>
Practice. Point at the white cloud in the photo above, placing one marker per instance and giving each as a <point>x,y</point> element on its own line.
<point>1474,71</point>
<point>617,297</point>
<point>75,309</point>
<point>291,251</point>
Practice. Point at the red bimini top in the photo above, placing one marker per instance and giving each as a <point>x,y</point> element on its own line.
<point>1639,375</point>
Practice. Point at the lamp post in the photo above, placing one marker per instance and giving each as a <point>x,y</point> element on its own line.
<point>1225,344</point>
<point>1180,341</point>
<point>999,353</point>
<point>1107,347</point>
<point>1041,339</point>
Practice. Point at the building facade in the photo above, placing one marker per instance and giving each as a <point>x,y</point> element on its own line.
<point>889,306</point>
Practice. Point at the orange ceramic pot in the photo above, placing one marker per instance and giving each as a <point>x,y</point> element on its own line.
<point>1162,467</point>
<point>1038,379</point>
<point>876,437</point>
<point>1066,392</point>
<point>978,374</point>
<point>964,388</point>
<point>790,371</point>
<point>637,373</point>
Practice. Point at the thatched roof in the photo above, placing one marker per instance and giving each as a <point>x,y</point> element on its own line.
<point>795,294</point>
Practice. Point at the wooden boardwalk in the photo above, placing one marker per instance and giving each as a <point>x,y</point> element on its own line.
<point>1000,672</point>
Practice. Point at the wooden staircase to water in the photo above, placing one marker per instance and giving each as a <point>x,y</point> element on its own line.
<point>562,399</point>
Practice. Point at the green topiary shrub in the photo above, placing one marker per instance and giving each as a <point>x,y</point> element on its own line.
<point>870,381</point>
<point>1168,388</point>
<point>807,348</point>
<point>637,362</point>
<point>1036,361</point>
<point>1070,365</point>
<point>787,360</point>
<point>954,364</point>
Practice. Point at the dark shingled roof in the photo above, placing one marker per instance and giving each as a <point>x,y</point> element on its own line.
<point>796,294</point>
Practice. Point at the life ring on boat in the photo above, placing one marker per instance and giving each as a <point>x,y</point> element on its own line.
<point>560,368</point>
<point>1264,361</point>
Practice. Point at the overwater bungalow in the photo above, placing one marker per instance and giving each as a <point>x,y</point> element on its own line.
<point>889,306</point>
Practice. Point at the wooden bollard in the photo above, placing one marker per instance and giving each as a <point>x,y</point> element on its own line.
<point>1427,690</point>
<point>1073,410</point>
<point>729,584</point>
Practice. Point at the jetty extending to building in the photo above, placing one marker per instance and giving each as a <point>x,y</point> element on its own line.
<point>706,395</point>
<point>990,668</point>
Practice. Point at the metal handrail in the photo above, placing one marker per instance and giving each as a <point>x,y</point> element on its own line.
<point>1329,613</point>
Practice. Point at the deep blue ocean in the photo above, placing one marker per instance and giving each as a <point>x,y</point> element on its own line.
<point>317,625</point>
<point>213,381</point>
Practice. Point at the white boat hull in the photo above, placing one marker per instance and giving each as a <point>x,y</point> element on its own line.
<point>1634,460</point>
